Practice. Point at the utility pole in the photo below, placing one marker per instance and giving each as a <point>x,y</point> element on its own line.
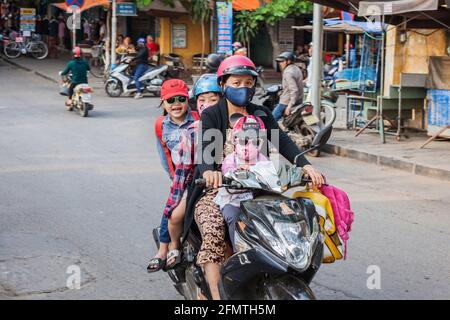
<point>74,29</point>
<point>113,33</point>
<point>317,60</point>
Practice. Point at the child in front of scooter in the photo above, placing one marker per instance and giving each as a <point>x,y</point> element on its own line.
<point>247,141</point>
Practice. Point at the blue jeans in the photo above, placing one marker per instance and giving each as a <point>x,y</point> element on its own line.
<point>278,111</point>
<point>164,236</point>
<point>140,70</point>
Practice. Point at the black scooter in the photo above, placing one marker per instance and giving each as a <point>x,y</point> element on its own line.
<point>278,240</point>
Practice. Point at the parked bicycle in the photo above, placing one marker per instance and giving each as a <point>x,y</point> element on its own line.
<point>25,45</point>
<point>97,61</point>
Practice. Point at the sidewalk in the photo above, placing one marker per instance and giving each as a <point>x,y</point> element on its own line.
<point>432,161</point>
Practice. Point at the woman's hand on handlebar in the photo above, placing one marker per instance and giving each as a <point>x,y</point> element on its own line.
<point>315,176</point>
<point>213,179</point>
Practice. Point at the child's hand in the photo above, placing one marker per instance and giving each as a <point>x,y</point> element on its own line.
<point>243,167</point>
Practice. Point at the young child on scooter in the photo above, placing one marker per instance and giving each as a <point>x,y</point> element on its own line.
<point>247,140</point>
<point>169,130</point>
<point>207,93</point>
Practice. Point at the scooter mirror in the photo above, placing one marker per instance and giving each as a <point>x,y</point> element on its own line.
<point>322,136</point>
<point>260,113</point>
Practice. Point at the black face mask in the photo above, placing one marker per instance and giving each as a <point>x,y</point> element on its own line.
<point>240,97</point>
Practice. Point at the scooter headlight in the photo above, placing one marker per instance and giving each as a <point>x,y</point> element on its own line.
<point>297,241</point>
<point>272,239</point>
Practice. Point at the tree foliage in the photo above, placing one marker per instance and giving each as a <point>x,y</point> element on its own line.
<point>248,22</point>
<point>145,3</point>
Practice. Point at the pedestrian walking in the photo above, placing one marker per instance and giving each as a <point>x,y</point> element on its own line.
<point>53,27</point>
<point>61,32</point>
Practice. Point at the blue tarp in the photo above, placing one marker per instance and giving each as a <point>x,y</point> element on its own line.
<point>374,27</point>
<point>438,107</point>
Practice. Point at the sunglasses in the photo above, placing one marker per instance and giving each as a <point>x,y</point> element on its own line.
<point>178,98</point>
<point>245,141</point>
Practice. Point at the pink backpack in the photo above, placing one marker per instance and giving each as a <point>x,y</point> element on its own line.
<point>343,215</point>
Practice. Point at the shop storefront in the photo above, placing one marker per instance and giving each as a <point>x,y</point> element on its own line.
<point>173,28</point>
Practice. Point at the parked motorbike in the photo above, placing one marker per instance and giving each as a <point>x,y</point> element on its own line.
<point>81,98</point>
<point>278,239</point>
<point>302,125</point>
<point>260,84</point>
<point>272,96</point>
<point>120,81</point>
<point>174,65</point>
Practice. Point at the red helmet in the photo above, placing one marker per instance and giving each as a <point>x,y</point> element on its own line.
<point>236,65</point>
<point>77,52</point>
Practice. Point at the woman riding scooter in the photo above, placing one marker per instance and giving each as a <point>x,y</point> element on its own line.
<point>237,78</point>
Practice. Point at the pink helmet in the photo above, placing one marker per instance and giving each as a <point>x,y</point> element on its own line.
<point>237,44</point>
<point>248,123</point>
<point>236,65</point>
<point>77,52</point>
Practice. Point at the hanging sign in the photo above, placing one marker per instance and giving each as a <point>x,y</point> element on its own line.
<point>225,27</point>
<point>27,19</point>
<point>126,9</point>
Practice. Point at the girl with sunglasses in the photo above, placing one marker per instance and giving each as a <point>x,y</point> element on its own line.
<point>247,141</point>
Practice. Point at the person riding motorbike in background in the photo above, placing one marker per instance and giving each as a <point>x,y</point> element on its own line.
<point>79,69</point>
<point>141,61</point>
<point>292,85</point>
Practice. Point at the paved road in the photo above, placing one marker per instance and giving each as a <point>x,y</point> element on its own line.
<point>87,192</point>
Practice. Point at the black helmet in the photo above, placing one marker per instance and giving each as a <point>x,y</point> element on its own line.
<point>213,61</point>
<point>287,55</point>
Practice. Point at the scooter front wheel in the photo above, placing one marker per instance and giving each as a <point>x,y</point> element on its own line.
<point>113,88</point>
<point>287,288</point>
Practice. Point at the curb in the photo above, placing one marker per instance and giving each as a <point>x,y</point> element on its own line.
<point>390,162</point>
<point>45,77</point>
<point>17,65</point>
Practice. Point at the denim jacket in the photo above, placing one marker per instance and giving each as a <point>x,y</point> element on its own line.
<point>172,134</point>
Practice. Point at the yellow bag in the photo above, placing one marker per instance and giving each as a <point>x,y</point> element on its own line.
<point>333,245</point>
